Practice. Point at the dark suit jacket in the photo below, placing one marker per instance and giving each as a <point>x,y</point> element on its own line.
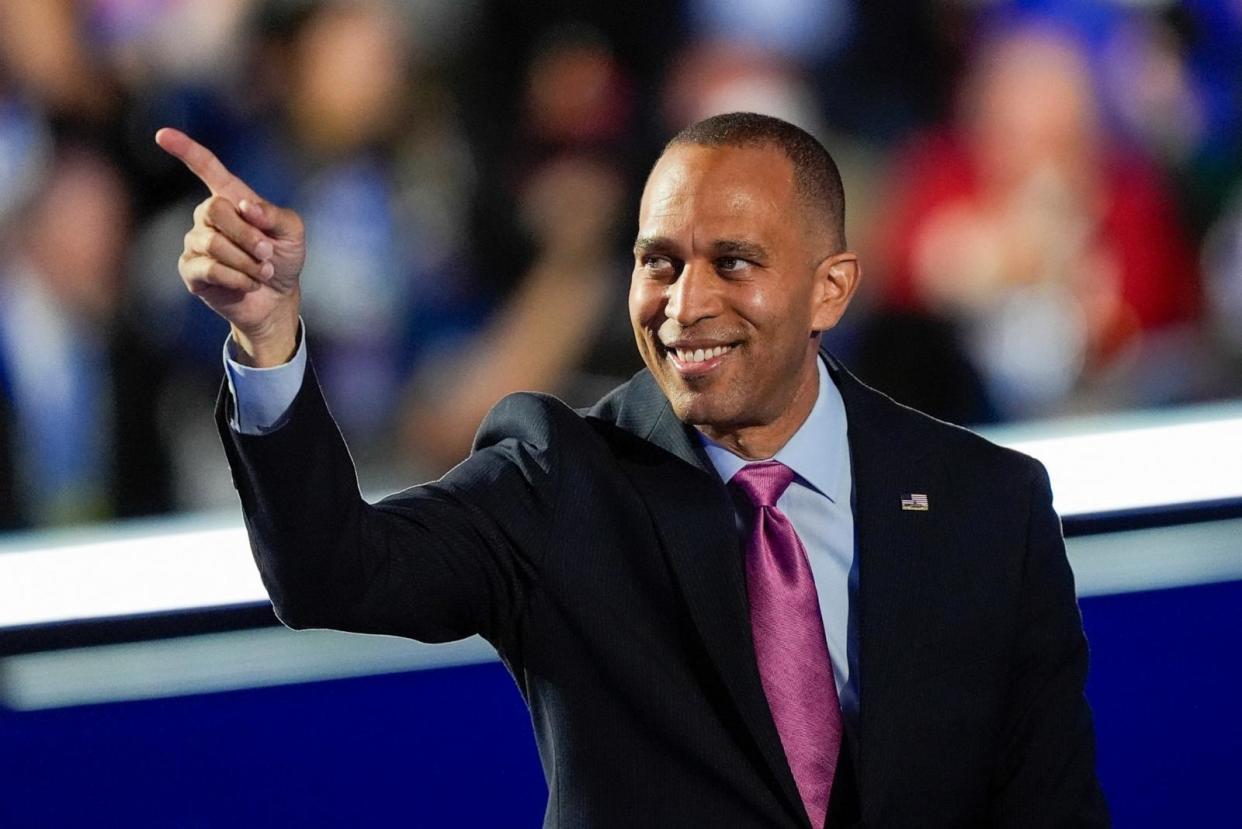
<point>597,551</point>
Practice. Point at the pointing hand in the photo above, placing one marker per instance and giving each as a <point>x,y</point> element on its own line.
<point>242,256</point>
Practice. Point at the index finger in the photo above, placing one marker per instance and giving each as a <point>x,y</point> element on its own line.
<point>204,164</point>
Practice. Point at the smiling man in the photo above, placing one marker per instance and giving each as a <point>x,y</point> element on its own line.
<point>744,589</point>
<point>739,266</point>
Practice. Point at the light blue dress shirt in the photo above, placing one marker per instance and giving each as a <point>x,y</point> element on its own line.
<point>262,395</point>
<point>817,503</point>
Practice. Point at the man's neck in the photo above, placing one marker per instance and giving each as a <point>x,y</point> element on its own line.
<point>760,442</point>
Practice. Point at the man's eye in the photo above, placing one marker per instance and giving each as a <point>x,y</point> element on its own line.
<point>730,263</point>
<point>660,264</point>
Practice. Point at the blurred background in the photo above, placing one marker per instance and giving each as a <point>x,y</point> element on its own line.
<point>1046,196</point>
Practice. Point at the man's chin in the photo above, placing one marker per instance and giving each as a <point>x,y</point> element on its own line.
<point>695,400</point>
<point>696,408</point>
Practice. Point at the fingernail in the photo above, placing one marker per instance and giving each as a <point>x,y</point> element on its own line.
<point>266,270</point>
<point>263,250</point>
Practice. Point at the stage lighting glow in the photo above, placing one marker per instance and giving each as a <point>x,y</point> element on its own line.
<point>126,576</point>
<point>1140,466</point>
<point>1134,560</point>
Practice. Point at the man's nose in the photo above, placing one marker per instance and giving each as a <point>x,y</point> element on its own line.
<point>694,296</point>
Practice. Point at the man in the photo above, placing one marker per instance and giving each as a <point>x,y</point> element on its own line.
<point>876,626</point>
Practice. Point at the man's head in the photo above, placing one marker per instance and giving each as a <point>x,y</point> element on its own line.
<point>741,256</point>
<point>816,178</point>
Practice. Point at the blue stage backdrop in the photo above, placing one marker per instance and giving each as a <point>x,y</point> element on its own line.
<point>453,747</point>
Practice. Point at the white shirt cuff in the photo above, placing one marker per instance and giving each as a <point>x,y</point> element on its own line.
<point>262,396</point>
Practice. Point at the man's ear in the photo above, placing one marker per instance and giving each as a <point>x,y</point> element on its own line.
<point>836,279</point>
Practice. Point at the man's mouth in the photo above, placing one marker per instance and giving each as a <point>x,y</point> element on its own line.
<point>693,360</point>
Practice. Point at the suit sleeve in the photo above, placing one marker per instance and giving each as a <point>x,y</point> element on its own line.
<point>436,562</point>
<point>1046,773</point>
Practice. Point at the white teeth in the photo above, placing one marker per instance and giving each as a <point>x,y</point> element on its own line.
<point>700,354</point>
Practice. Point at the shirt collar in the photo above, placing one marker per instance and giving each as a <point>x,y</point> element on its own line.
<point>816,451</point>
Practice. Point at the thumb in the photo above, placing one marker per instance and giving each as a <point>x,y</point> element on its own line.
<point>277,222</point>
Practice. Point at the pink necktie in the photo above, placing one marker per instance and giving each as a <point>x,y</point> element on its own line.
<point>789,639</point>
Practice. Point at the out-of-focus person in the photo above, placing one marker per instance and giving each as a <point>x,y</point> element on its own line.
<point>1056,249</point>
<point>1222,266</point>
<point>389,276</point>
<point>1170,75</point>
<point>79,438</point>
<point>560,329</point>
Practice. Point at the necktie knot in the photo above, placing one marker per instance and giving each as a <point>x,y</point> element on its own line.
<point>763,483</point>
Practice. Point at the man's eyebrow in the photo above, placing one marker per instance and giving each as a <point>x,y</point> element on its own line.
<point>653,244</point>
<point>740,248</point>
<point>721,247</point>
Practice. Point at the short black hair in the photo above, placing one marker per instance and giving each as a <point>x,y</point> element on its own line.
<point>816,176</point>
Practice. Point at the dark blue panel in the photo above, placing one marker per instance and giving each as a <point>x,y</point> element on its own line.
<point>436,748</point>
<point>453,747</point>
<point>1166,687</point>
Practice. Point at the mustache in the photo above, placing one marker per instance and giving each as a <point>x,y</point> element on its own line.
<point>671,331</point>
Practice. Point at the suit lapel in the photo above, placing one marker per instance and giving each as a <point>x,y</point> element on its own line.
<point>892,545</point>
<point>694,518</point>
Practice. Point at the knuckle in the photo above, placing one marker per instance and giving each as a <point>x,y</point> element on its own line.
<point>217,208</point>
<point>190,276</point>
<point>207,269</point>
<point>214,272</point>
<point>212,243</point>
<point>200,268</point>
<point>224,276</point>
<point>198,240</point>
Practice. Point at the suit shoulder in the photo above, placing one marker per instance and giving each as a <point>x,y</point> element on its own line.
<point>635,396</point>
<point>960,440</point>
<point>534,418</point>
<point>544,421</point>
<point>958,443</point>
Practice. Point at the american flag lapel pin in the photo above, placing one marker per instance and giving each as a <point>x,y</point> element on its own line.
<point>914,502</point>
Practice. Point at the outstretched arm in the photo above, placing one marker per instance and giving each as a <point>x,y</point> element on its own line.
<point>436,562</point>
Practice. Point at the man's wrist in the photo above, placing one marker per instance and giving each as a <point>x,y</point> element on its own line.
<point>263,395</point>
<point>273,346</point>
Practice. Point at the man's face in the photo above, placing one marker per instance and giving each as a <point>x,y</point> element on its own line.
<point>730,287</point>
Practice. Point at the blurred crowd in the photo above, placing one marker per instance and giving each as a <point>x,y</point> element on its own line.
<point>1046,197</point>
